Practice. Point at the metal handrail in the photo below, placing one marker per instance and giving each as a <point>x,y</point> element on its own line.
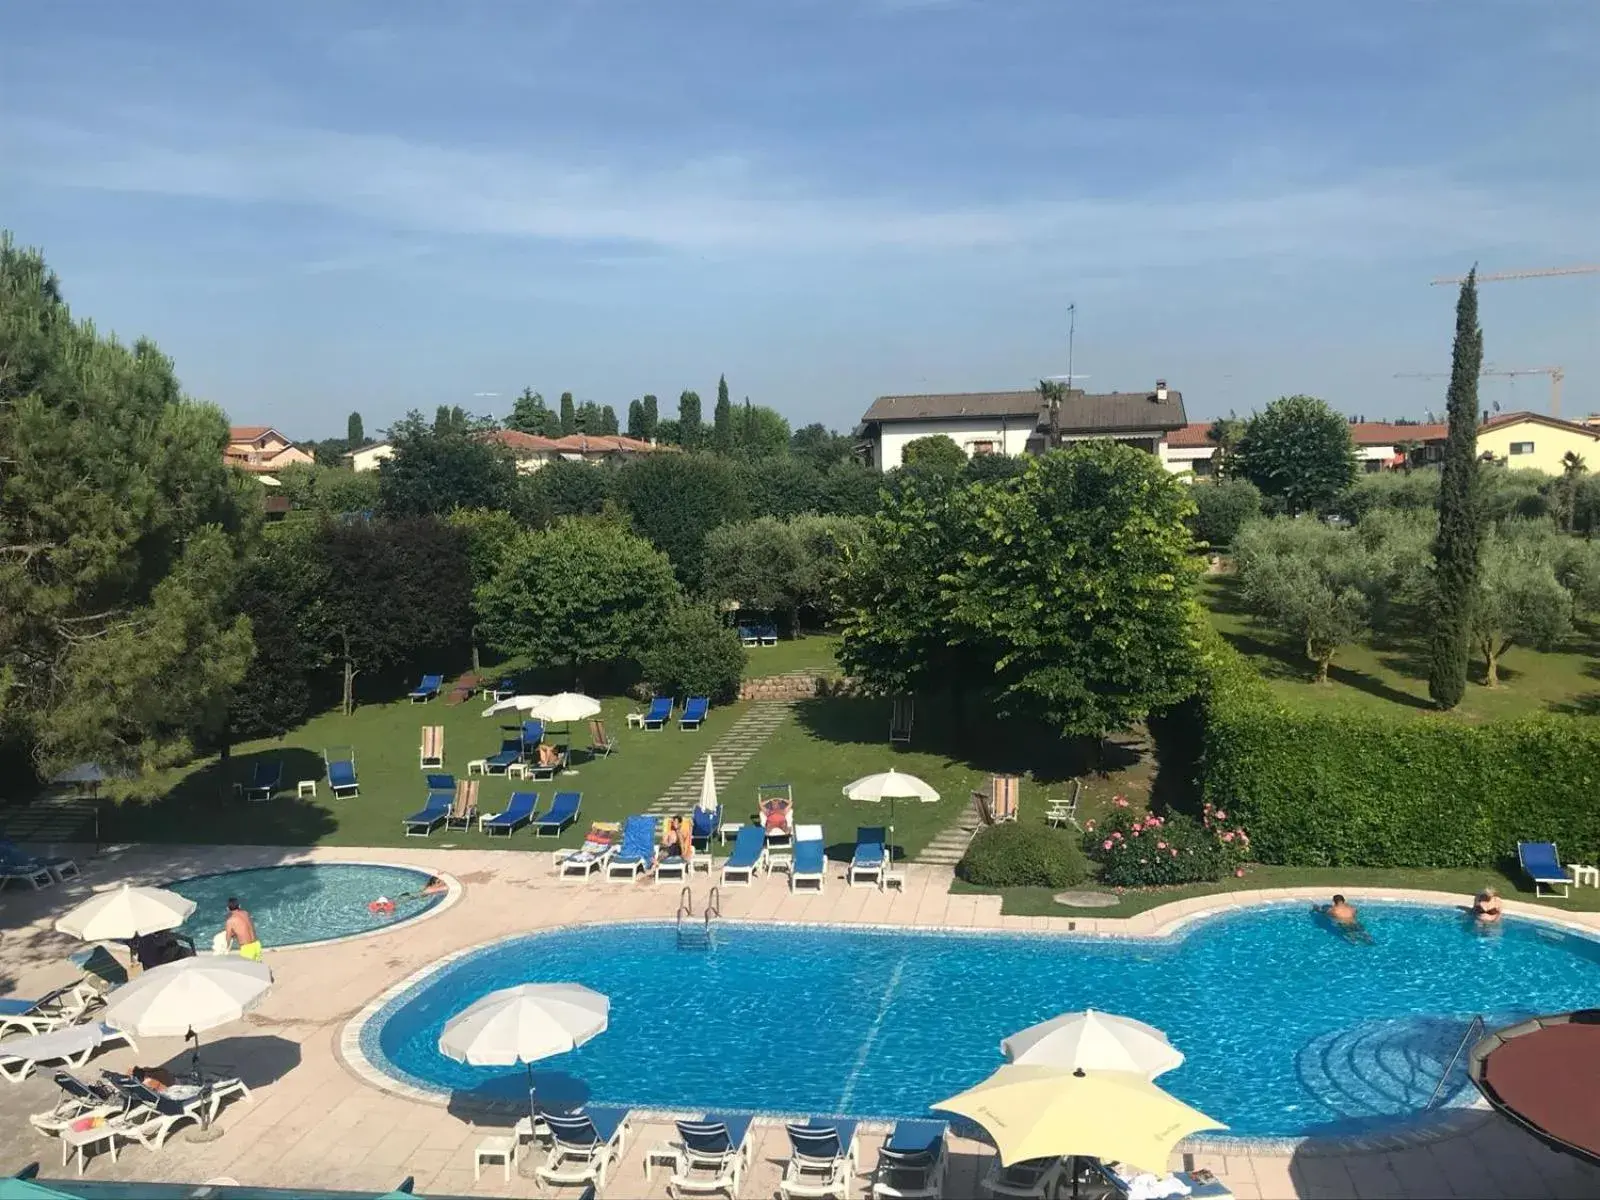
<point>686,898</point>
<point>1481,1026</point>
<point>713,902</point>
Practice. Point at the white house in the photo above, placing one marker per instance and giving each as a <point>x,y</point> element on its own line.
<point>1016,422</point>
<point>368,457</point>
<point>1188,451</point>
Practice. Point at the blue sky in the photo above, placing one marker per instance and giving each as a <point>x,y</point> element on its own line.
<point>322,207</point>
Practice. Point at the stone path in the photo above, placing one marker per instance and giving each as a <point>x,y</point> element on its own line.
<point>946,849</point>
<point>729,755</point>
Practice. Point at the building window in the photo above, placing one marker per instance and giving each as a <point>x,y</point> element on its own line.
<point>1203,466</point>
<point>1522,447</point>
<point>982,448</point>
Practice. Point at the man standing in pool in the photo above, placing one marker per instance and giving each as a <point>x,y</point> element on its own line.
<point>241,930</point>
<point>1343,915</point>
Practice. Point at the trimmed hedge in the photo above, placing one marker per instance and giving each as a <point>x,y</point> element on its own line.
<point>1319,789</point>
<point>1013,855</point>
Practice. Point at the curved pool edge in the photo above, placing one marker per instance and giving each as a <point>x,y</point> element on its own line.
<point>454,893</point>
<point>1164,922</point>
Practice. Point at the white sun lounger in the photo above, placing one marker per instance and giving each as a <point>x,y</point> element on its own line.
<point>54,1010</point>
<point>73,1046</point>
<point>581,863</point>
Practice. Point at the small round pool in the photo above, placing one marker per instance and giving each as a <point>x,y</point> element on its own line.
<point>1289,1028</point>
<point>311,902</point>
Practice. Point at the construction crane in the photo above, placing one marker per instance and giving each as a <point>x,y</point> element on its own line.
<point>1556,376</point>
<point>1535,273</point>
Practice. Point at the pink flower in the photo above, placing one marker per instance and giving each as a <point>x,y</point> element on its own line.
<point>1089,824</point>
<point>1161,845</point>
<point>1221,816</point>
<point>1173,852</point>
<point>1135,831</point>
<point>1239,873</point>
<point>1227,837</point>
<point>1120,802</point>
<point>1107,844</point>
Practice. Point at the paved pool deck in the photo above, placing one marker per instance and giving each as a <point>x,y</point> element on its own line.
<point>315,1122</point>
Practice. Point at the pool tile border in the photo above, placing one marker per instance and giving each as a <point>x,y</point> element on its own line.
<point>1161,923</point>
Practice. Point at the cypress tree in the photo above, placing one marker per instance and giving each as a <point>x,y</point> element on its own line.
<point>722,420</point>
<point>689,431</point>
<point>569,415</point>
<point>636,427</point>
<point>1455,551</point>
<point>608,419</point>
<point>652,416</point>
<point>354,432</point>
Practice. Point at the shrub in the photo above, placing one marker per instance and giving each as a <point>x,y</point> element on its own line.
<point>695,654</point>
<point>1221,508</point>
<point>1013,855</point>
<point>1331,789</point>
<point>1139,849</point>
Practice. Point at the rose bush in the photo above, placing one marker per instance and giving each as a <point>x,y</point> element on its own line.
<point>1141,849</point>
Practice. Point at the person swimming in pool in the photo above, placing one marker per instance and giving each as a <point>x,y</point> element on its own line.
<point>1343,915</point>
<point>1486,907</point>
<point>240,930</point>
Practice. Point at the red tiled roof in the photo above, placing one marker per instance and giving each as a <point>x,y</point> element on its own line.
<point>1386,433</point>
<point>249,433</point>
<point>1191,436</point>
<point>573,443</point>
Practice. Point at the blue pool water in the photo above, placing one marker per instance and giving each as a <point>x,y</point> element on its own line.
<point>298,904</point>
<point>1288,1028</point>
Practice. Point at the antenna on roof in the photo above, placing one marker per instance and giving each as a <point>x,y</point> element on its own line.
<point>1072,337</point>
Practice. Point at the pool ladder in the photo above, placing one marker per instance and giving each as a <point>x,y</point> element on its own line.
<point>696,934</point>
<point>1476,1025</point>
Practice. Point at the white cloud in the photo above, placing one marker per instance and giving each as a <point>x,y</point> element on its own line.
<point>732,205</point>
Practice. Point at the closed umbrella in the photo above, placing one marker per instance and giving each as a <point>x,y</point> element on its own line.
<point>514,704</point>
<point>891,786</point>
<point>1045,1112</point>
<point>126,912</point>
<point>1094,1041</point>
<point>524,1024</point>
<point>708,789</point>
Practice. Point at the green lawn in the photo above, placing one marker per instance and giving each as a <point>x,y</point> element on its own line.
<point>811,653</point>
<point>1390,675</point>
<point>197,803</point>
<point>1466,882</point>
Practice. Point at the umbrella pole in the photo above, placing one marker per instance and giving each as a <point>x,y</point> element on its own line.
<point>207,1132</point>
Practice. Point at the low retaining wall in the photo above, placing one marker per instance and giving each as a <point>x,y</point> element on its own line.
<point>799,686</point>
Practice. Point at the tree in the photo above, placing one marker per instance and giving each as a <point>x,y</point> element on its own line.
<point>1460,539</point>
<point>636,427</point>
<point>530,414</point>
<point>695,653</point>
<point>722,439</point>
<point>569,418</point>
<point>489,535</point>
<point>652,417</point>
<point>827,545</point>
<point>761,432</point>
<point>329,452</point>
<point>121,531</point>
<point>1299,453</point>
<point>582,594</point>
<point>1222,508</point>
<point>331,491</point>
<point>1564,492</point>
<point>755,565</point>
<point>1052,395</point>
<point>1519,600</point>
<point>675,500</point>
<point>820,446</point>
<point>780,487</point>
<point>689,431</point>
<point>992,468</point>
<point>432,473</point>
<point>393,593</point>
<point>572,489</point>
<point>1225,434</point>
<point>354,433</point>
<point>586,419</point>
<point>936,452</point>
<point>1310,581</point>
<point>851,490</point>
<point>608,421</point>
<point>278,587</point>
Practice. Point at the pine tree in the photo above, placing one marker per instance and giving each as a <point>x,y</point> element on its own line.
<point>354,432</point>
<point>608,420</point>
<point>722,423</point>
<point>636,427</point>
<point>652,417</point>
<point>569,416</point>
<point>1460,539</point>
<point>689,429</point>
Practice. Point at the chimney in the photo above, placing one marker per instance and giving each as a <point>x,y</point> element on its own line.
<point>1161,391</point>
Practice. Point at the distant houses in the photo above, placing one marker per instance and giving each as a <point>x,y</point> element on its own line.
<point>533,451</point>
<point>367,458</point>
<point>261,450</point>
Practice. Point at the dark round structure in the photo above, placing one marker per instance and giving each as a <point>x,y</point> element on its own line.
<point>1541,1073</point>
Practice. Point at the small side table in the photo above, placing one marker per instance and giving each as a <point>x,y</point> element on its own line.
<point>306,787</point>
<point>478,766</point>
<point>663,1155</point>
<point>517,771</point>
<point>635,720</point>
<point>502,1148</point>
<point>729,830</point>
<point>1584,875</point>
<point>80,1140</point>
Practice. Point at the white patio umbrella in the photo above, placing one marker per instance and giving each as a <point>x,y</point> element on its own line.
<point>890,785</point>
<point>524,1024</point>
<point>565,707</point>
<point>126,912</point>
<point>514,704</point>
<point>708,789</point>
<point>1094,1041</point>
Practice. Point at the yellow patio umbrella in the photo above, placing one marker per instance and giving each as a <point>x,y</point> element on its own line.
<point>1046,1112</point>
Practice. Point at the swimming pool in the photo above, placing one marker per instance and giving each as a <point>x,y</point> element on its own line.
<point>1288,1028</point>
<point>307,902</point>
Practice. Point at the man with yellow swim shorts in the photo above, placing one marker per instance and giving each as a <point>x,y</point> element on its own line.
<point>241,930</point>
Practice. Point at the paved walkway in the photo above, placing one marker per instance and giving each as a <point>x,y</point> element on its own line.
<point>314,1123</point>
<point>729,755</point>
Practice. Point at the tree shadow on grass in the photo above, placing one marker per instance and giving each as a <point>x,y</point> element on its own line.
<point>204,807</point>
<point>1586,704</point>
<point>1271,661</point>
<point>1373,686</point>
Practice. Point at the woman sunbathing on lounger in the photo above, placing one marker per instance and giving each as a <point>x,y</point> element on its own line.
<point>547,755</point>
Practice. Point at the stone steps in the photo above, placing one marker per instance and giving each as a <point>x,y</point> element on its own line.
<point>946,849</point>
<point>729,755</point>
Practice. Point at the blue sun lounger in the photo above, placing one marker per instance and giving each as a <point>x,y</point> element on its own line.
<point>749,856</point>
<point>265,779</point>
<point>1542,864</point>
<point>427,689</point>
<point>703,826</point>
<point>822,1158</point>
<point>637,854</point>
<point>659,712</point>
<point>431,815</point>
<point>532,735</point>
<point>17,863</point>
<point>714,1151</point>
<point>563,812</point>
<point>342,778</point>
<point>510,752</point>
<point>584,1145</point>
<point>870,857</point>
<point>519,811</point>
<point>911,1164</point>
<point>694,712</point>
<point>810,858</point>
